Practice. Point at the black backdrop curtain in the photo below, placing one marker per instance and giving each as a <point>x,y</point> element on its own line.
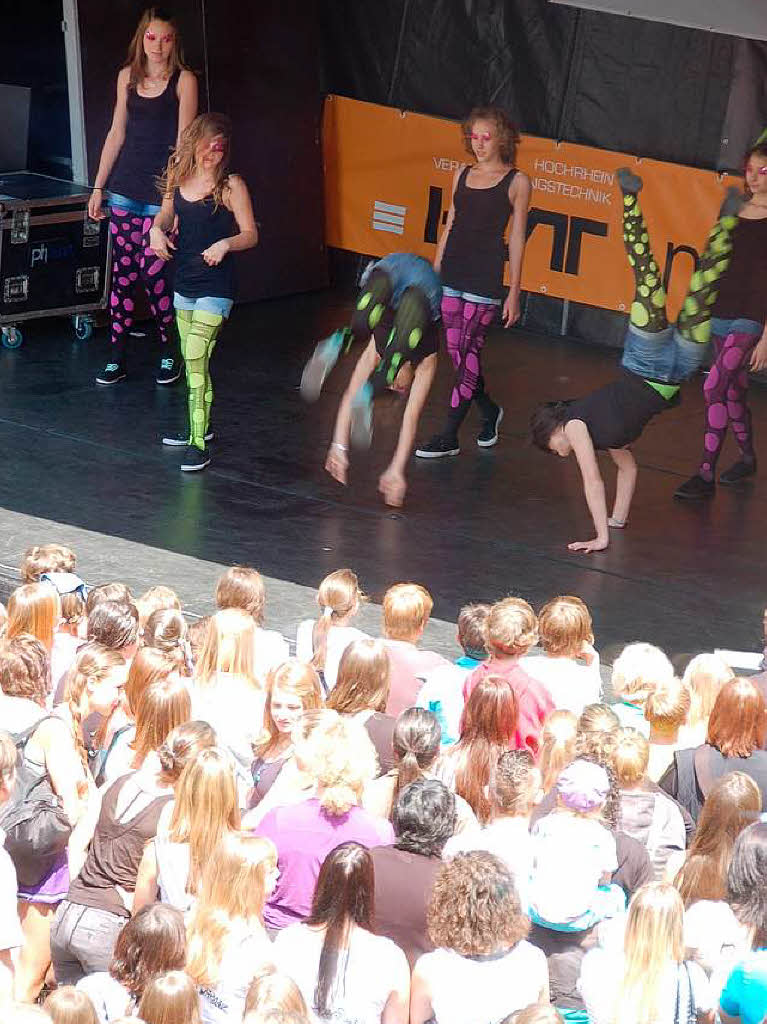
<point>582,76</point>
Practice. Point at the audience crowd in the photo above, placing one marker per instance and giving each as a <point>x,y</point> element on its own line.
<point>198,828</point>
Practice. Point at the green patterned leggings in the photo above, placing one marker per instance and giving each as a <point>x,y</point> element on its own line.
<point>198,331</point>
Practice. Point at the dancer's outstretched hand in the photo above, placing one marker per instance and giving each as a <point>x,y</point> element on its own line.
<point>587,546</point>
<point>392,486</point>
<point>337,464</point>
<point>160,244</point>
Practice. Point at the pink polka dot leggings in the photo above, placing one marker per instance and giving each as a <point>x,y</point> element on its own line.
<point>725,392</point>
<point>466,325</point>
<point>133,259</point>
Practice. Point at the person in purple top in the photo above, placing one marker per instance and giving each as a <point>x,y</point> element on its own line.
<point>340,758</point>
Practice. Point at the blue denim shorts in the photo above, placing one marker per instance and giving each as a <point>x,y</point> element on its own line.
<point>485,300</point>
<point>131,205</point>
<point>408,271</point>
<point>208,304</point>
<point>740,326</point>
<point>665,356</point>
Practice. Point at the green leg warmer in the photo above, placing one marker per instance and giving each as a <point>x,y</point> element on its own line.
<point>198,339</point>
<point>694,321</point>
<point>648,310</point>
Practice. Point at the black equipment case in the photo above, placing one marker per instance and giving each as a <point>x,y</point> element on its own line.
<point>54,260</point>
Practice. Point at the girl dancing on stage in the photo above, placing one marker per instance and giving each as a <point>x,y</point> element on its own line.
<point>214,214</point>
<point>470,260</point>
<point>156,100</point>
<point>656,359</point>
<point>739,337</point>
<point>396,313</point>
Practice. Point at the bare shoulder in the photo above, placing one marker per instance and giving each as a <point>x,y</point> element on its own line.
<point>520,185</point>
<point>187,79</point>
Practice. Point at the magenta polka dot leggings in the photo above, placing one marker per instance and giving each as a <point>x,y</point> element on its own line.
<point>133,259</point>
<point>725,394</point>
<point>466,325</point>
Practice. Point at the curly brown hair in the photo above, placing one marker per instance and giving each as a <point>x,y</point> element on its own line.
<point>508,133</point>
<point>474,907</point>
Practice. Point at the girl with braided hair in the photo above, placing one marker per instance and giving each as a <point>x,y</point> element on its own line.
<point>57,749</point>
<point>657,358</point>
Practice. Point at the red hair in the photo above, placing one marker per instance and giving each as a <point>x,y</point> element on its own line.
<point>738,719</point>
<point>488,725</point>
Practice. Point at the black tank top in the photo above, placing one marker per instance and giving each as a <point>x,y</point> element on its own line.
<point>150,135</point>
<point>618,413</point>
<point>742,291</point>
<point>475,251</point>
<point>200,224</point>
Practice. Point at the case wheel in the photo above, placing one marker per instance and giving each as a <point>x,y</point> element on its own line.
<point>12,337</point>
<point>83,326</point>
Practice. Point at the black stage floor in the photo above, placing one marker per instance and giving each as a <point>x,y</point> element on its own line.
<point>480,526</point>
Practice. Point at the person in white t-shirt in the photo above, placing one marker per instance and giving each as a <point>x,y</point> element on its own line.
<point>11,936</point>
<point>344,972</point>
<point>648,981</point>
<point>569,667</point>
<point>227,943</point>
<point>243,588</point>
<point>574,855</point>
<point>322,642</point>
<point>515,789</point>
<point>483,969</point>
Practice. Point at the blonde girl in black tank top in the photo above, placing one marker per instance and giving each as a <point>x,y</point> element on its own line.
<point>470,259</point>
<point>214,217</point>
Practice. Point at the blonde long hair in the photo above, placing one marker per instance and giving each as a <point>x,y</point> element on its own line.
<point>706,674</point>
<point>205,809</point>
<point>136,58</point>
<point>653,939</point>
<point>34,608</point>
<point>92,664</point>
<point>228,647</point>
<point>182,163</point>
<point>233,888</point>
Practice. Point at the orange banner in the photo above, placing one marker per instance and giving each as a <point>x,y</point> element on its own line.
<point>388,176</point>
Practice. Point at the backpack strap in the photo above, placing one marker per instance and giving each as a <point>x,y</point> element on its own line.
<point>21,739</point>
<point>703,770</point>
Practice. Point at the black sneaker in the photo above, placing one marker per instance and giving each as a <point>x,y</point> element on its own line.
<point>169,371</point>
<point>438,448</point>
<point>111,373</point>
<point>488,436</point>
<point>194,459</point>
<point>696,488</point>
<point>182,440</point>
<point>741,470</point>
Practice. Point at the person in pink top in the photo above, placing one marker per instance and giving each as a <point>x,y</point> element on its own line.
<point>339,756</point>
<point>406,610</point>
<point>511,629</point>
